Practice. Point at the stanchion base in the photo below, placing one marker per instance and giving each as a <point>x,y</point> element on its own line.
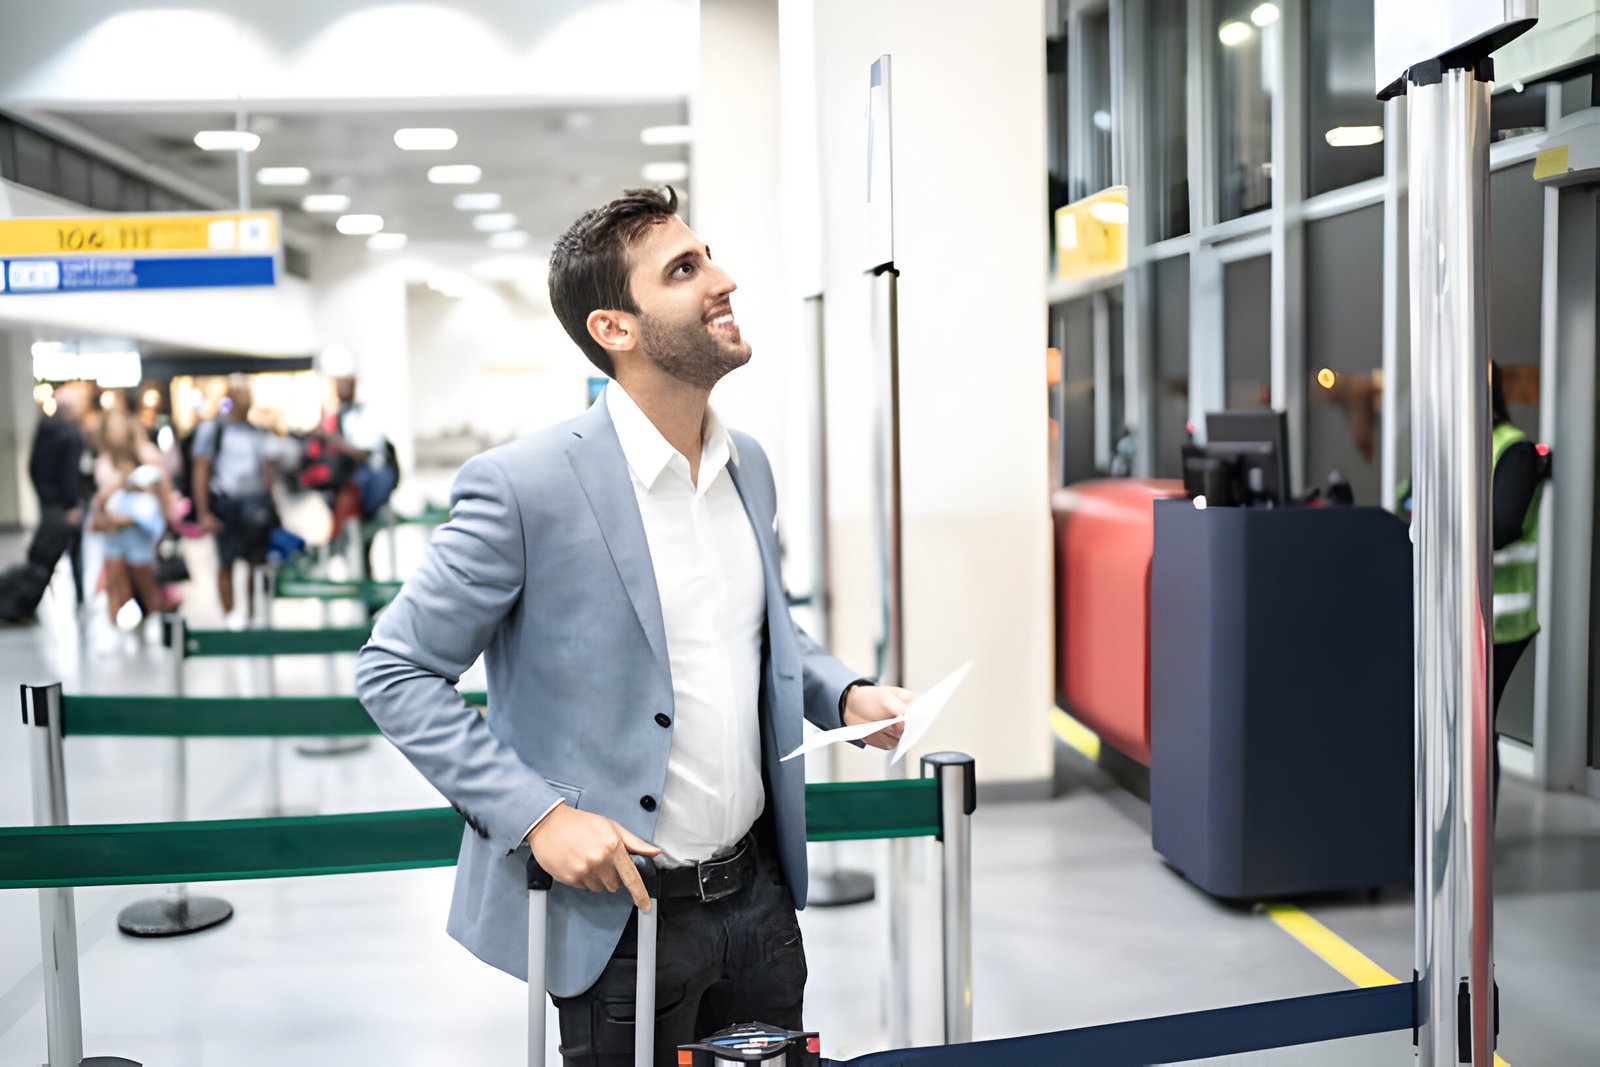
<point>332,746</point>
<point>839,888</point>
<point>106,1061</point>
<point>165,917</point>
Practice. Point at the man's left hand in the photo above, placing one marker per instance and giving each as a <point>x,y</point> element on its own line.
<point>870,703</point>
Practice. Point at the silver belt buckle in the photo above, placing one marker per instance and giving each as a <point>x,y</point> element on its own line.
<point>712,867</point>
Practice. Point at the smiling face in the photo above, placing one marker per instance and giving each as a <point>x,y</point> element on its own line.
<point>686,323</point>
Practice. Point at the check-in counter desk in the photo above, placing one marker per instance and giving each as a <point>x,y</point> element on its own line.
<point>1280,698</point>
<point>1103,532</point>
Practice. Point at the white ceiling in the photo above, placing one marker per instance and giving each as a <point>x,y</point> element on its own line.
<point>548,163</point>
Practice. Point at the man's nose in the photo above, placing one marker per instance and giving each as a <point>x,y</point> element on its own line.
<point>722,283</point>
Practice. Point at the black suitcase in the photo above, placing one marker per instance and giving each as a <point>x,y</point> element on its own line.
<point>21,588</point>
<point>51,541</point>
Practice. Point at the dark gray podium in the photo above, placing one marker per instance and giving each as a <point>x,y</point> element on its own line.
<point>1280,698</point>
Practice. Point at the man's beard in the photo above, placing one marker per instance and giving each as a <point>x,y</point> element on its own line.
<point>689,353</point>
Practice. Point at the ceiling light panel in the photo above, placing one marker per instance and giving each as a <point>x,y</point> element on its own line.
<point>283,176</point>
<point>455,174</point>
<point>663,135</point>
<point>325,203</point>
<point>359,225</point>
<point>227,140</point>
<point>494,223</point>
<point>420,139</point>
<point>667,171</point>
<point>477,201</point>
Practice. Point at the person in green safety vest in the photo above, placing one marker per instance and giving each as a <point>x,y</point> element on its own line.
<point>1520,470</point>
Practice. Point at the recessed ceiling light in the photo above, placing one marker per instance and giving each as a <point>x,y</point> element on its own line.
<point>325,203</point>
<point>359,225</point>
<point>494,223</point>
<point>283,176</point>
<point>227,140</point>
<point>672,171</point>
<point>477,201</point>
<point>386,242</point>
<point>659,135</point>
<point>510,239</point>
<point>455,174</point>
<point>419,139</point>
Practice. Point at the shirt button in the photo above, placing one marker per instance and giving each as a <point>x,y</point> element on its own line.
<point>648,803</point>
<point>662,720</point>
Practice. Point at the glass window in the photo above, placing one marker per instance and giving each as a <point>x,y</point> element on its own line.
<point>1170,304</point>
<point>1516,274</point>
<point>1243,97</point>
<point>1118,386</point>
<point>1344,120</point>
<point>35,159</point>
<point>1247,332</point>
<point>1166,116</point>
<point>1514,112</point>
<point>72,176</point>
<point>1097,106</point>
<point>1074,330</point>
<point>1344,350</point>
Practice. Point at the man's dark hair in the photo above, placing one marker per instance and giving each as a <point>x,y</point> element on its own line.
<point>589,266</point>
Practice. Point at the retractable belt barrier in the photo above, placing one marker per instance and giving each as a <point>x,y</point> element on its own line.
<point>53,857</point>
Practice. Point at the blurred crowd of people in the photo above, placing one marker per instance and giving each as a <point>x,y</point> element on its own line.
<point>119,490</point>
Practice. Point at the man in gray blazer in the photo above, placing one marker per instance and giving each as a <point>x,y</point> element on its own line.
<point>620,574</point>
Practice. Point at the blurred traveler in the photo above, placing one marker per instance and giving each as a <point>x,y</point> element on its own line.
<point>620,573</point>
<point>1519,475</point>
<point>233,474</point>
<point>350,461</point>
<point>135,521</point>
<point>54,465</point>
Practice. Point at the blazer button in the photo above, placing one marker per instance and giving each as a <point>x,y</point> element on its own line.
<point>648,803</point>
<point>662,720</point>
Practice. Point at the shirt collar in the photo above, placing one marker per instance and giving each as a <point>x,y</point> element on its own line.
<point>648,453</point>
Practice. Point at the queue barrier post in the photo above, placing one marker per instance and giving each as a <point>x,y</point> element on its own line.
<point>956,775</point>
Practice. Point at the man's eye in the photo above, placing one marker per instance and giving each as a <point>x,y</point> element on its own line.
<point>683,270</point>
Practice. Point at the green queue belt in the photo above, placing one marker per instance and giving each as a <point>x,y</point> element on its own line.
<point>373,593</point>
<point>163,716</point>
<point>265,642</point>
<point>46,857</point>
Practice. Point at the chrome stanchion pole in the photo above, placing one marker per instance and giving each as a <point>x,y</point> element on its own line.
<point>1449,173</point>
<point>58,919</point>
<point>958,798</point>
<point>391,523</point>
<point>539,883</point>
<point>644,989</point>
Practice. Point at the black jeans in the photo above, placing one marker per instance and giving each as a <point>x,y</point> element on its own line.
<point>735,960</point>
<point>1505,661</point>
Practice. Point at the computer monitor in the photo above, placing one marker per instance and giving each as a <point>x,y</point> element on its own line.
<point>1254,446</point>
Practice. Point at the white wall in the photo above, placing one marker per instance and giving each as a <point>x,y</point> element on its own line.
<point>970,215</point>
<point>86,53</point>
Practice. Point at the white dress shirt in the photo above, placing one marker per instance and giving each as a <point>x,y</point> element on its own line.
<point>714,607</point>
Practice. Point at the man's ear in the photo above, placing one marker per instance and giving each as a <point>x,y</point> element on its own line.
<point>614,331</point>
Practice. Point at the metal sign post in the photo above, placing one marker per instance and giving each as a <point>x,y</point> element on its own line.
<point>1439,49</point>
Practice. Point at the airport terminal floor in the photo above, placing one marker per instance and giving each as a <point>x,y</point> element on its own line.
<point>1076,920</point>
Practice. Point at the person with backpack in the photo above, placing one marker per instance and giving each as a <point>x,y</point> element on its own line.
<point>233,474</point>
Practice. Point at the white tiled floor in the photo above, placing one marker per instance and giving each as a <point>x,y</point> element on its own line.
<point>1076,920</point>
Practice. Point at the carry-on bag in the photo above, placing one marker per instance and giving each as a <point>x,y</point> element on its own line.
<point>644,994</point>
<point>22,586</point>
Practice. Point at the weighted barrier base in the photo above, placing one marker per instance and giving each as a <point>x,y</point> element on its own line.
<point>332,746</point>
<point>106,1061</point>
<point>839,888</point>
<point>165,917</point>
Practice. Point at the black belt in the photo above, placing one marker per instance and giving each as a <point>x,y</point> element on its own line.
<point>711,879</point>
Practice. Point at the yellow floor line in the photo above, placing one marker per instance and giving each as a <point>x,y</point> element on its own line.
<point>1335,951</point>
<point>1075,735</point>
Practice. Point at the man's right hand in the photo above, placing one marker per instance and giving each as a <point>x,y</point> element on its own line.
<point>588,851</point>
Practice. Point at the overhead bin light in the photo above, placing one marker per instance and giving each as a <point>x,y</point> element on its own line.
<point>325,203</point>
<point>359,225</point>
<point>455,174</point>
<point>386,242</point>
<point>660,135</point>
<point>494,223</point>
<point>509,240</point>
<point>666,171</point>
<point>477,201</point>
<point>1353,136</point>
<point>418,139</point>
<point>1234,33</point>
<point>1265,15</point>
<point>227,140</point>
<point>283,176</point>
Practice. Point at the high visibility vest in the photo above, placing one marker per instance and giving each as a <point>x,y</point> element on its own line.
<point>1515,576</point>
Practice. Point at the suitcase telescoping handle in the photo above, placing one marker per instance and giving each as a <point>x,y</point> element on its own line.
<point>644,993</point>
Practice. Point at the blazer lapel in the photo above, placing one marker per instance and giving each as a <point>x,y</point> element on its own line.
<point>602,470</point>
<point>766,539</point>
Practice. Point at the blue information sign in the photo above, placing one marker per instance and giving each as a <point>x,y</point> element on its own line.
<point>101,274</point>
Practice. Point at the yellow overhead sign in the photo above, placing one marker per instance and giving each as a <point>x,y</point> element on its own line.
<point>1092,235</point>
<point>235,234</point>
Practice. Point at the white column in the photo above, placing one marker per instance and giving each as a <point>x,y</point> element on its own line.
<point>970,243</point>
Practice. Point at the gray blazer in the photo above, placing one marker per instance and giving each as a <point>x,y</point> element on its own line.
<point>544,569</point>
